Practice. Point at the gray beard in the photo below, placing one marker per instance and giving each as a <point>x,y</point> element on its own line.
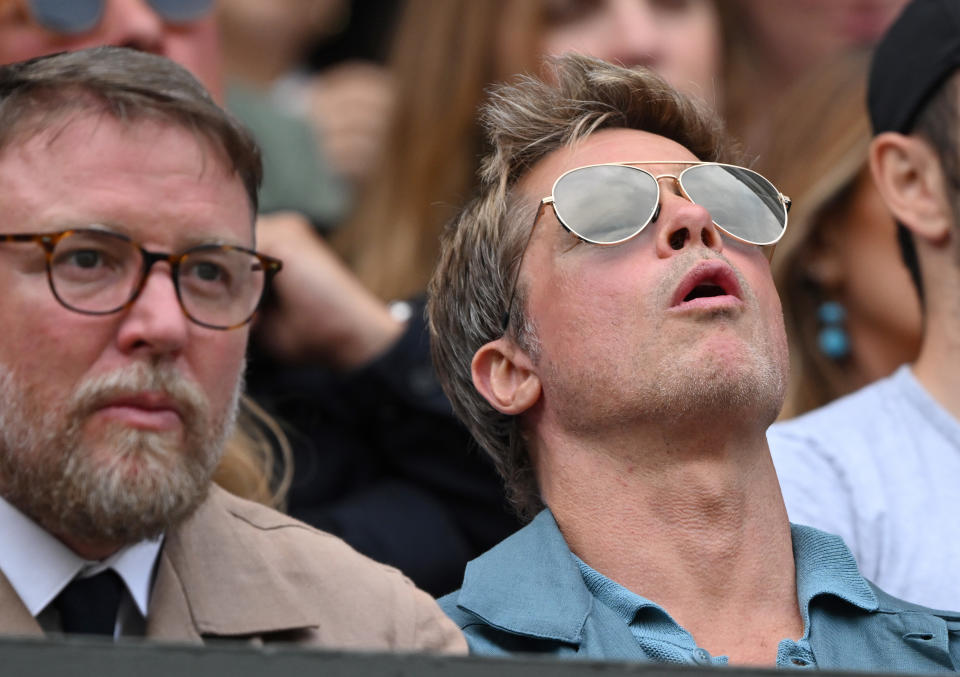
<point>125,486</point>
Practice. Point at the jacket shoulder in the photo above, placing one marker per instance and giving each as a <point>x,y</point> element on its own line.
<point>245,566</point>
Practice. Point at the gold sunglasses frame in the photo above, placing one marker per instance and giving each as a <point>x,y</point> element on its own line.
<point>785,202</point>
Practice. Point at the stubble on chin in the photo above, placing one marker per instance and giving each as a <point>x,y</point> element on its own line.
<point>122,484</point>
<point>675,374</point>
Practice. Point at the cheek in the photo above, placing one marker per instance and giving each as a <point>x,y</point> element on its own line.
<point>197,49</point>
<point>693,54</point>
<point>51,353</point>
<point>218,362</point>
<point>597,306</point>
<point>18,43</point>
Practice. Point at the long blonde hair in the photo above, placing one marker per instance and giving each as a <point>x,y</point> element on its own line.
<point>445,55</point>
<point>818,154</point>
<point>257,462</point>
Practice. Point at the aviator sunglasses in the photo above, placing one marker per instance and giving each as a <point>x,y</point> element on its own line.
<point>79,16</point>
<point>608,204</point>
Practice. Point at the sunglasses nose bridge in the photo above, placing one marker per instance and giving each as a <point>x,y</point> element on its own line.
<point>688,224</point>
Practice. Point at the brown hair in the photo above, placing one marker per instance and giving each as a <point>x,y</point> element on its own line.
<point>128,85</point>
<point>444,56</point>
<point>132,85</point>
<point>482,246</point>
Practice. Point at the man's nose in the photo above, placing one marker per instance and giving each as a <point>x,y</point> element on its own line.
<point>132,23</point>
<point>155,322</point>
<point>682,224</point>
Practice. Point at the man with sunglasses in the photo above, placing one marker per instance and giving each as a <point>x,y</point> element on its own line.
<point>881,467</point>
<point>129,279</point>
<point>604,318</point>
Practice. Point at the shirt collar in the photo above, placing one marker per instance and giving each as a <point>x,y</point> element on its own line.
<point>546,595</point>
<point>825,566</point>
<point>39,566</point>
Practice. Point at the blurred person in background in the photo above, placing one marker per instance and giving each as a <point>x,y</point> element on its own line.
<point>185,32</point>
<point>880,467</point>
<point>771,44</point>
<point>321,132</point>
<point>851,312</point>
<point>381,460</point>
<point>445,56</point>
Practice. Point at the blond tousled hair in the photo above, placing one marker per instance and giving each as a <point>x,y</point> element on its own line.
<point>482,246</point>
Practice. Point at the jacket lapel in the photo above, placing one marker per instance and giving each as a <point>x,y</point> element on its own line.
<point>216,583</point>
<point>169,616</point>
<point>15,619</point>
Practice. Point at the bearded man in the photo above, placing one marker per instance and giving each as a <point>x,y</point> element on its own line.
<point>130,274</point>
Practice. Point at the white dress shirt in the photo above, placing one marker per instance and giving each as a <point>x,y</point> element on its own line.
<point>39,566</point>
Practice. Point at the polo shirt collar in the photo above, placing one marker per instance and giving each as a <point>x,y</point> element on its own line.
<point>531,584</point>
<point>825,566</point>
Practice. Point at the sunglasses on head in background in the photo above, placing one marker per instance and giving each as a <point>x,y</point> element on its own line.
<point>607,204</point>
<point>79,16</point>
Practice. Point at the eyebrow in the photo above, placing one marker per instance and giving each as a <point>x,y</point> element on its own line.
<point>190,240</point>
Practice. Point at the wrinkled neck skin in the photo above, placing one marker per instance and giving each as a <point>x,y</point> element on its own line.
<point>688,514</point>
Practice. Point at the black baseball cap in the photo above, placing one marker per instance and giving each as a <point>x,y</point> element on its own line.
<point>919,51</point>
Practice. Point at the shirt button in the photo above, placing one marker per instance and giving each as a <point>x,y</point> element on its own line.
<point>701,657</point>
<point>799,661</point>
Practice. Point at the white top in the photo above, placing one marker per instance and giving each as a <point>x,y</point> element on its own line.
<point>881,468</point>
<point>39,567</point>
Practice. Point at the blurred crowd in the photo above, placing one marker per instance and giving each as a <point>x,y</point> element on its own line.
<point>367,115</point>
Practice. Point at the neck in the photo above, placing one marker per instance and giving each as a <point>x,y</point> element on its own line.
<point>690,520</point>
<point>94,552</point>
<point>938,366</point>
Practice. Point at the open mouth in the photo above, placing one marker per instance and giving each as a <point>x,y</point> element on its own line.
<point>705,291</point>
<point>708,280</point>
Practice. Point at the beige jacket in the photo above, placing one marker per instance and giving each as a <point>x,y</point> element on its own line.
<point>235,569</point>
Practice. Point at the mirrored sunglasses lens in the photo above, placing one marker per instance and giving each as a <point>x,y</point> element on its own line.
<point>67,16</point>
<point>739,200</point>
<point>605,204</point>
<point>181,11</point>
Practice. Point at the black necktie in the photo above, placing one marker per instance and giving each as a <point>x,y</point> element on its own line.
<point>89,606</point>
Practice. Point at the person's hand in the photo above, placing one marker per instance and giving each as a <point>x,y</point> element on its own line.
<point>350,109</point>
<point>322,311</point>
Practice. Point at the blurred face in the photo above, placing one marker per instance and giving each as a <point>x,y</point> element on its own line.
<point>883,312</point>
<point>678,320</point>
<point>125,23</point>
<point>289,20</point>
<point>797,34</point>
<point>680,39</point>
<point>111,425</point>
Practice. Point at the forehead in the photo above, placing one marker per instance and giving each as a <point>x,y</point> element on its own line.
<point>144,176</point>
<point>606,145</point>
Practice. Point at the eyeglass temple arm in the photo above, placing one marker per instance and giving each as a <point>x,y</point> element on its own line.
<point>505,321</point>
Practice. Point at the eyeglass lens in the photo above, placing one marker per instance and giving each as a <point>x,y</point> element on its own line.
<point>80,16</point>
<point>99,273</point>
<point>739,200</point>
<point>607,204</point>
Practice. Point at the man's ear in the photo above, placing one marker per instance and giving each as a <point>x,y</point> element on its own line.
<point>908,175</point>
<point>505,376</point>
